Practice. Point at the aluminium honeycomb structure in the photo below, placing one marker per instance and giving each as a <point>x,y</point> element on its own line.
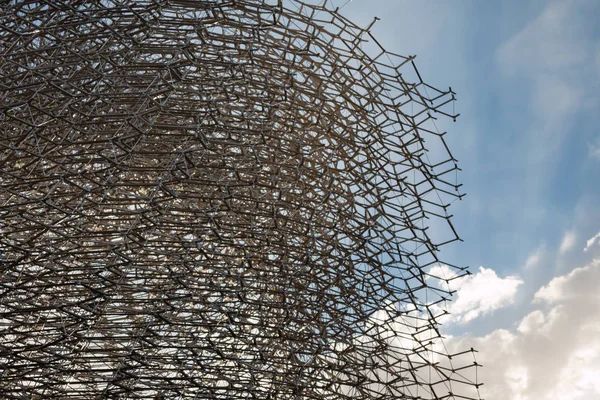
<point>219,200</point>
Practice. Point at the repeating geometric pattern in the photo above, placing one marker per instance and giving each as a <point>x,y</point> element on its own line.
<point>219,200</point>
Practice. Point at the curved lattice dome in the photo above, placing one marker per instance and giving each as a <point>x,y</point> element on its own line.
<point>218,200</point>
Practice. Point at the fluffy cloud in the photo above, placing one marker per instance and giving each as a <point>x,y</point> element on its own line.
<point>554,352</point>
<point>478,294</point>
<point>575,284</point>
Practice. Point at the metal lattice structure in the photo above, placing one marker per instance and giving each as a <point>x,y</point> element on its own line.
<point>218,200</point>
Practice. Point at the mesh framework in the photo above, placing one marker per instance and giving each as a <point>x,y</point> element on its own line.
<point>219,200</point>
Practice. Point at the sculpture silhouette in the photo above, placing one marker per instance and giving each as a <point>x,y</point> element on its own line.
<point>218,199</point>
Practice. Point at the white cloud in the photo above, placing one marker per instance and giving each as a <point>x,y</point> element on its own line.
<point>534,258</point>
<point>477,295</point>
<point>568,242</point>
<point>590,243</point>
<point>554,354</point>
<point>561,288</point>
<point>531,321</point>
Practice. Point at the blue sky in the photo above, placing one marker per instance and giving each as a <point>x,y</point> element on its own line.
<point>527,74</point>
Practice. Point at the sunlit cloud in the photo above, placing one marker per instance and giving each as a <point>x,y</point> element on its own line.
<point>535,257</point>
<point>554,353</point>
<point>591,242</point>
<point>568,242</point>
<point>477,295</point>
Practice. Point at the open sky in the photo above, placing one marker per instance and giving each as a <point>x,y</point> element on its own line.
<point>527,74</point>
